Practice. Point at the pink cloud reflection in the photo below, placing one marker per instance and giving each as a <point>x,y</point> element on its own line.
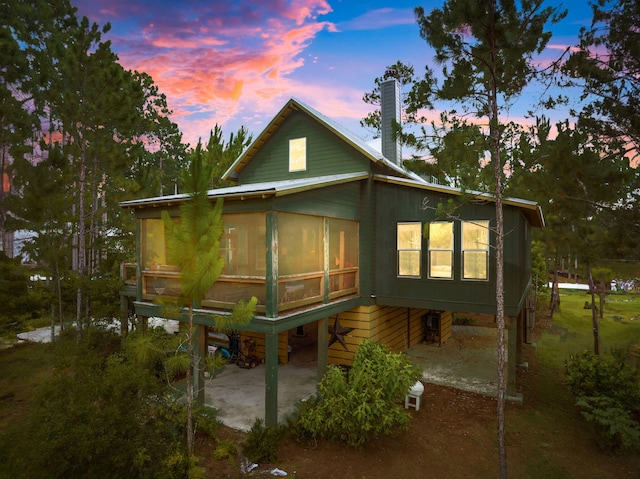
<point>218,60</point>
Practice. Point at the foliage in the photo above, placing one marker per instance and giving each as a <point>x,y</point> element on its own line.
<point>263,442</point>
<point>225,449</point>
<point>616,426</point>
<point>98,415</point>
<point>19,299</point>
<point>487,51</point>
<point>608,392</point>
<point>193,242</point>
<point>206,419</point>
<point>364,404</point>
<point>607,62</point>
<point>85,118</point>
<point>405,76</point>
<point>221,155</point>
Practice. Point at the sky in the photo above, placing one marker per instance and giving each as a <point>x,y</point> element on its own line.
<point>236,62</point>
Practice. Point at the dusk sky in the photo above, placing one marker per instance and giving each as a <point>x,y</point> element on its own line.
<point>237,62</point>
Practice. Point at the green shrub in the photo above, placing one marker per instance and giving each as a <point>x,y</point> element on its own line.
<point>225,449</point>
<point>263,443</point>
<point>366,402</point>
<point>615,425</point>
<point>206,420</point>
<point>607,391</point>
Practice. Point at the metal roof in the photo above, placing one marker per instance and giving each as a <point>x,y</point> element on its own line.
<point>531,209</point>
<point>253,190</point>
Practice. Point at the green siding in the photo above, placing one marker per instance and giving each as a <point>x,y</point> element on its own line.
<point>395,204</point>
<point>338,201</point>
<point>326,153</point>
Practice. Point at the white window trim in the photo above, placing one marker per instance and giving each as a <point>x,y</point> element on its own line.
<point>417,249</point>
<point>485,224</point>
<point>297,154</point>
<point>451,250</point>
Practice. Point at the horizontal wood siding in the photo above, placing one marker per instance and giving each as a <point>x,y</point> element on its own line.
<point>445,326</point>
<point>283,343</point>
<point>397,328</point>
<point>326,153</point>
<point>338,201</point>
<point>416,326</point>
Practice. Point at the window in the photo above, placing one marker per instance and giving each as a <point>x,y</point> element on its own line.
<point>475,250</point>
<point>409,249</point>
<point>441,250</point>
<point>298,154</point>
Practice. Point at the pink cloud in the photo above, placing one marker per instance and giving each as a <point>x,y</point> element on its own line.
<point>213,62</point>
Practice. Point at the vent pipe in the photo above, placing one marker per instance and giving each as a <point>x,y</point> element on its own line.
<point>391,109</point>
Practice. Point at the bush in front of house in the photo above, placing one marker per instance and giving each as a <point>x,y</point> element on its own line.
<point>362,404</point>
<point>263,442</point>
<point>607,391</point>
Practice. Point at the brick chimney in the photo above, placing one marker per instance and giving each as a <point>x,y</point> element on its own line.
<point>391,109</point>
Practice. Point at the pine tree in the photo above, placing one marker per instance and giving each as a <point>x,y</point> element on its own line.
<point>485,49</point>
<point>194,243</point>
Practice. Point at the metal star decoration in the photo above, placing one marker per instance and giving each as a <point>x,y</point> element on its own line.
<point>338,332</point>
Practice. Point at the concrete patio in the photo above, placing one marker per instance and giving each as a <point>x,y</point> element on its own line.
<point>467,361</point>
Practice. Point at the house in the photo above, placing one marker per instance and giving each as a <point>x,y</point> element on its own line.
<point>330,233</point>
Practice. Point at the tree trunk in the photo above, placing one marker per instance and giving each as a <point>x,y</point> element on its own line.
<point>555,292</point>
<point>594,312</point>
<point>189,381</point>
<point>494,132</point>
<point>81,236</point>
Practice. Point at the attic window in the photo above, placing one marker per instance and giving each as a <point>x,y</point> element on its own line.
<point>298,154</point>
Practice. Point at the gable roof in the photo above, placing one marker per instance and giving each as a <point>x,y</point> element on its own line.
<point>351,138</point>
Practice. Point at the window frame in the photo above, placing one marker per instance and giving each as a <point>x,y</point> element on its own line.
<point>405,251</point>
<point>297,154</point>
<point>485,224</point>
<point>450,249</point>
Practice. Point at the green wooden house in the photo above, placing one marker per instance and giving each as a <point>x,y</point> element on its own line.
<point>329,233</point>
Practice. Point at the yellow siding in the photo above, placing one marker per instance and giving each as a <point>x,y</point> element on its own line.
<point>445,326</point>
<point>396,328</point>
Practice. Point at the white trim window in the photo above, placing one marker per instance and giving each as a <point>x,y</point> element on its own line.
<point>441,250</point>
<point>297,154</point>
<point>475,250</point>
<point>409,243</point>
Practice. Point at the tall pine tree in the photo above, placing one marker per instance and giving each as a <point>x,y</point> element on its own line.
<point>486,50</point>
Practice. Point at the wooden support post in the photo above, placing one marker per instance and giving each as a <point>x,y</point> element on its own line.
<point>323,347</point>
<point>512,363</point>
<point>271,381</point>
<point>124,315</point>
<point>520,331</point>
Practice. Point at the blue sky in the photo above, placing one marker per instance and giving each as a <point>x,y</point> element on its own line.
<point>237,62</point>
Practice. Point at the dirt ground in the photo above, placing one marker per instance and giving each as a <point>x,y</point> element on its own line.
<point>453,435</point>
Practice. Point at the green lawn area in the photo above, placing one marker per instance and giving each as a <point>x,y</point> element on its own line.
<point>618,329</point>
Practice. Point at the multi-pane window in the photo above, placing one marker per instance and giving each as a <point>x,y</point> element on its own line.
<point>298,154</point>
<point>409,249</point>
<point>475,250</point>
<point>441,250</point>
